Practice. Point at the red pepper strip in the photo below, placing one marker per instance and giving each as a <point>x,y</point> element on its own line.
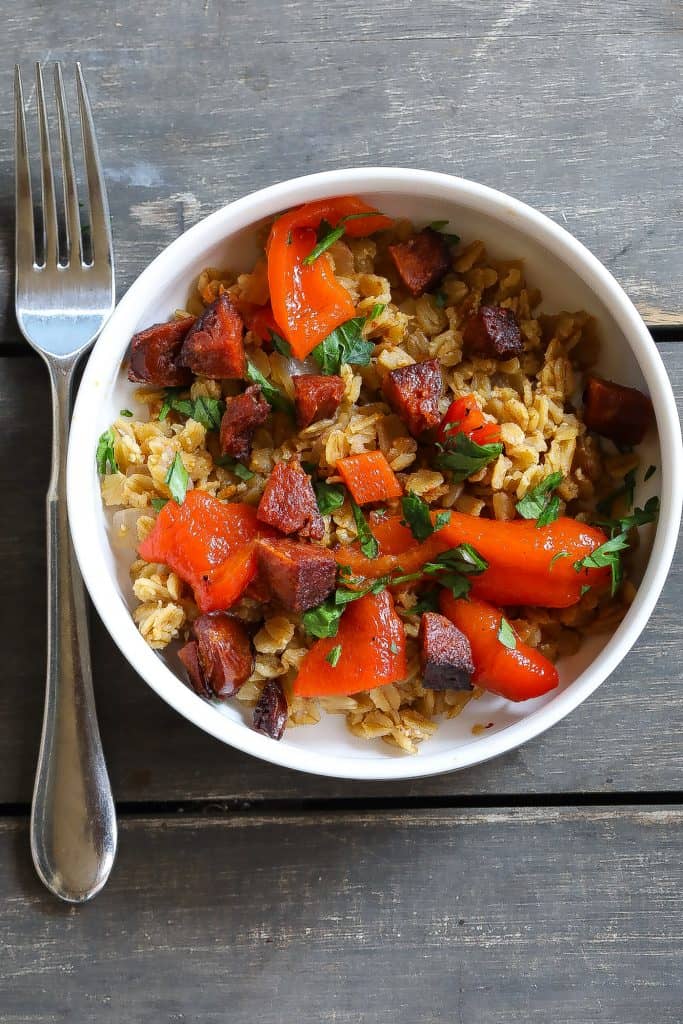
<point>520,556</point>
<point>308,301</point>
<point>465,417</point>
<point>209,544</point>
<point>373,651</point>
<point>261,321</point>
<point>518,673</point>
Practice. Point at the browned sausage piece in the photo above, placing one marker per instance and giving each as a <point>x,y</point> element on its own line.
<point>316,397</point>
<point>493,332</point>
<point>214,345</point>
<point>414,392</point>
<point>243,414</point>
<point>422,262</point>
<point>220,658</point>
<point>445,654</point>
<point>154,355</point>
<point>288,502</point>
<point>622,414</point>
<point>270,713</point>
<point>299,575</point>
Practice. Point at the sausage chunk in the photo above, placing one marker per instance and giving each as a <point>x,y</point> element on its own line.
<point>413,392</point>
<point>299,575</point>
<point>214,345</point>
<point>154,355</point>
<point>445,654</point>
<point>288,502</point>
<point>622,414</point>
<point>270,713</point>
<point>220,658</point>
<point>243,414</point>
<point>493,332</point>
<point>316,397</point>
<point>422,262</point>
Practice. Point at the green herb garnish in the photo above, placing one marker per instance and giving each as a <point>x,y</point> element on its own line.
<point>627,490</point>
<point>105,455</point>
<point>608,554</point>
<point>555,558</point>
<point>177,479</point>
<point>272,395</point>
<point>328,496</point>
<point>368,543</point>
<point>234,466</point>
<point>125,412</point>
<point>417,516</point>
<point>538,504</point>
<point>506,634</point>
<point>327,236</point>
<point>649,472</point>
<point>439,225</point>
<point>280,345</point>
<point>334,655</point>
<point>346,344</point>
<point>207,411</point>
<point>158,503</point>
<point>323,620</point>
<point>429,602</point>
<point>463,457</point>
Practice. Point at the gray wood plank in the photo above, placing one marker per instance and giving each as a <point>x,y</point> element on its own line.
<point>626,738</point>
<point>491,918</point>
<point>573,109</point>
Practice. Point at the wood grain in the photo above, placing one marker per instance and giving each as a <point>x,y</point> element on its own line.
<point>487,918</point>
<point>572,109</point>
<point>626,738</point>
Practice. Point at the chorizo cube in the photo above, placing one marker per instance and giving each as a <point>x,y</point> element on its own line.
<point>214,345</point>
<point>445,654</point>
<point>223,659</point>
<point>243,414</point>
<point>614,411</point>
<point>299,575</point>
<point>422,262</point>
<point>492,332</point>
<point>288,502</point>
<point>413,392</point>
<point>271,711</point>
<point>316,397</point>
<point>155,354</point>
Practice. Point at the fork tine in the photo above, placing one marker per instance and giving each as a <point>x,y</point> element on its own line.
<point>50,236</point>
<point>74,241</point>
<point>24,232</point>
<point>99,207</point>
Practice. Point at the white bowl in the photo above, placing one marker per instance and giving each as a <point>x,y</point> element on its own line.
<point>570,278</point>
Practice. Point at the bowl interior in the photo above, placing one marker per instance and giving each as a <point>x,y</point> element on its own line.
<point>328,746</point>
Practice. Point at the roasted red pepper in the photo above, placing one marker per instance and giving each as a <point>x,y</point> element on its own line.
<point>465,417</point>
<point>372,652</point>
<point>308,301</point>
<point>516,673</point>
<point>209,544</point>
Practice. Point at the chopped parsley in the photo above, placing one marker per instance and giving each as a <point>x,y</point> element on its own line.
<point>105,455</point>
<point>627,491</point>
<point>328,496</point>
<point>649,472</point>
<point>609,553</point>
<point>177,479</point>
<point>280,345</point>
<point>439,225</point>
<point>334,655</point>
<point>234,466</point>
<point>272,395</point>
<point>539,503</point>
<point>327,236</point>
<point>463,457</point>
<point>417,516</point>
<point>323,620</point>
<point>555,558</point>
<point>428,602</point>
<point>158,503</point>
<point>207,411</point>
<point>506,634</point>
<point>368,543</point>
<point>346,344</point>
<point>128,414</point>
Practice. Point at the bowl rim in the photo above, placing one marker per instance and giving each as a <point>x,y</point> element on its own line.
<point>240,214</point>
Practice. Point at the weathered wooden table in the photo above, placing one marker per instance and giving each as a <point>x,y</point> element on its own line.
<point>545,886</point>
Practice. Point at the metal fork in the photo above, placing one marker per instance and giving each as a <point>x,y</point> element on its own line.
<point>62,302</point>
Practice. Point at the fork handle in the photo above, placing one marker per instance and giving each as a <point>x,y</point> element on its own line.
<point>73,820</point>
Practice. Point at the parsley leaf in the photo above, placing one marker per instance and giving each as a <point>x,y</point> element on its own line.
<point>280,345</point>
<point>627,489</point>
<point>538,504</point>
<point>439,225</point>
<point>127,413</point>
<point>346,344</point>
<point>649,472</point>
<point>323,620</point>
<point>368,543</point>
<point>328,235</point>
<point>417,517</point>
<point>236,467</point>
<point>177,479</point>
<point>555,558</point>
<point>158,503</point>
<point>105,455</point>
<point>463,457</point>
<point>506,634</point>
<point>272,395</point>
<point>608,554</point>
<point>328,496</point>
<point>429,602</point>
<point>207,411</point>
<point>334,655</point>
